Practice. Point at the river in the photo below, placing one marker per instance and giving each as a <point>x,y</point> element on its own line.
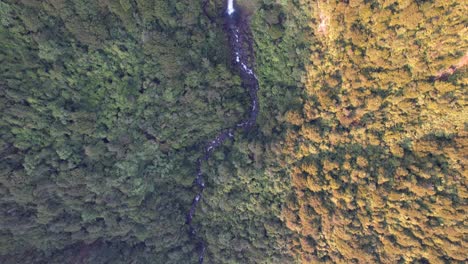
<point>239,35</point>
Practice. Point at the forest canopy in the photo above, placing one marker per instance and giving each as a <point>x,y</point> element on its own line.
<point>358,155</point>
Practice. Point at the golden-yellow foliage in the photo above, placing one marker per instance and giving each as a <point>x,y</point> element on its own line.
<point>387,179</point>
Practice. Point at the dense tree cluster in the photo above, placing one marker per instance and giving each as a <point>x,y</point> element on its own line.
<point>104,105</point>
<point>358,154</point>
<point>379,147</point>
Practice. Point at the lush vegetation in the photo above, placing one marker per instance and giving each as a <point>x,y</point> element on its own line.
<point>378,149</point>
<point>359,154</point>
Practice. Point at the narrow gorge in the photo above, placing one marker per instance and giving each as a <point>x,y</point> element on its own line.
<point>242,56</point>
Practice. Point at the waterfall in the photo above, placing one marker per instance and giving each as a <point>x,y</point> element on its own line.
<point>238,32</point>
<point>230,7</point>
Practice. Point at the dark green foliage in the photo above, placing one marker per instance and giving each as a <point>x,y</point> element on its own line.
<point>104,105</point>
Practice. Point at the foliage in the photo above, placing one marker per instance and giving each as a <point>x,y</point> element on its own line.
<point>104,107</point>
<point>357,156</point>
<point>383,181</point>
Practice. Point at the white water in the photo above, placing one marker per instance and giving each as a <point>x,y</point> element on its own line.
<point>241,57</point>
<point>230,7</point>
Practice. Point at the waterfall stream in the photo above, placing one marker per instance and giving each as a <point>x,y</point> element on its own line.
<point>230,7</point>
<point>238,33</point>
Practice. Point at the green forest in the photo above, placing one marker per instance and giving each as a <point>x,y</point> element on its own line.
<point>358,155</point>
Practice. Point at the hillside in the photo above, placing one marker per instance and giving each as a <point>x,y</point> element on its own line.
<point>358,153</point>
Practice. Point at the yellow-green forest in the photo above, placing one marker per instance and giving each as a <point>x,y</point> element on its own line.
<point>358,153</point>
<point>378,148</point>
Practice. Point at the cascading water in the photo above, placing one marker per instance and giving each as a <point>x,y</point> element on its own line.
<point>230,7</point>
<point>238,32</point>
